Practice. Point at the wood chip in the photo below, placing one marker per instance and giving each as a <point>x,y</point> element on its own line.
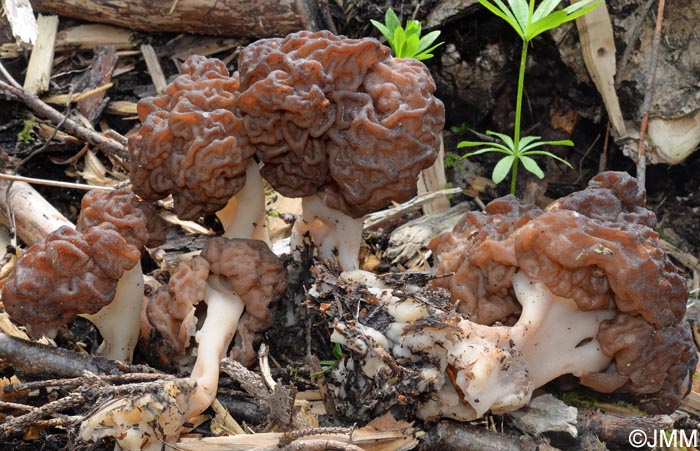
<point>41,60</point>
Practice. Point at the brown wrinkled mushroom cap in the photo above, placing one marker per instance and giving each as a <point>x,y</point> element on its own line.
<point>76,271</point>
<point>137,221</point>
<point>482,287</point>
<point>67,274</point>
<point>340,118</point>
<point>171,309</point>
<point>596,247</point>
<point>257,276</point>
<point>654,363</point>
<point>190,142</point>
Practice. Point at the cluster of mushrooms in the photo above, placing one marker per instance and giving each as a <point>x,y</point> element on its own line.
<point>521,296</point>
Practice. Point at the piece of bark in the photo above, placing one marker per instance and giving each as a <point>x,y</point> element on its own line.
<point>104,60</point>
<point>433,179</point>
<point>41,60</point>
<point>616,428</point>
<point>20,15</point>
<point>263,18</point>
<point>454,436</point>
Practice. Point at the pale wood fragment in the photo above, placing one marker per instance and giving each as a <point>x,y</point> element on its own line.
<point>20,15</point>
<point>154,69</point>
<point>598,50</point>
<point>34,216</point>
<point>81,37</point>
<point>434,179</point>
<point>41,61</point>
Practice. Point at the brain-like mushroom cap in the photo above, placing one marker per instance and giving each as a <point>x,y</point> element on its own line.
<point>482,288</point>
<point>76,271</point>
<point>171,309</point>
<point>190,142</point>
<point>340,118</point>
<point>257,276</point>
<point>597,248</point>
<point>67,274</point>
<point>135,220</point>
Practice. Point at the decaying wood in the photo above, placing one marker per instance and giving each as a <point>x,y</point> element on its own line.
<point>38,360</point>
<point>434,179</point>
<point>409,240</point>
<point>383,434</point>
<point>34,217</point>
<point>104,60</point>
<point>22,22</point>
<point>598,49</point>
<point>81,37</point>
<point>454,436</point>
<point>262,18</point>
<point>616,428</point>
<point>691,403</point>
<point>41,61</point>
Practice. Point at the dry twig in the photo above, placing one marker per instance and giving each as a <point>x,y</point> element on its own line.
<point>40,108</point>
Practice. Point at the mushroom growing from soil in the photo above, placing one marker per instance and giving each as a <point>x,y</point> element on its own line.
<point>191,144</point>
<point>94,270</point>
<point>240,281</point>
<point>341,124</point>
<point>596,298</point>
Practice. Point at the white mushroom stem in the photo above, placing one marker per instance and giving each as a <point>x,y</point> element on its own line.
<point>119,321</point>
<point>244,214</point>
<point>224,309</point>
<point>336,234</point>
<point>553,335</point>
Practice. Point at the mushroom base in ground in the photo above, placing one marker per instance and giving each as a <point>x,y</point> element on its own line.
<point>412,350</point>
<point>337,235</point>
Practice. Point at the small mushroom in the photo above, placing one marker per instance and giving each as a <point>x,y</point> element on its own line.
<point>235,278</point>
<point>93,270</point>
<point>341,124</point>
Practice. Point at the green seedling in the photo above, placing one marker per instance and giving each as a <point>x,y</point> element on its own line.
<point>407,42</point>
<point>528,22</point>
<point>330,364</point>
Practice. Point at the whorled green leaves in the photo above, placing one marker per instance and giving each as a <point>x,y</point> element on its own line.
<point>529,22</point>
<point>514,155</point>
<point>407,42</point>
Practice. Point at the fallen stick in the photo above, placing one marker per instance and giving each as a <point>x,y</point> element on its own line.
<point>40,108</point>
<point>33,217</point>
<point>38,360</point>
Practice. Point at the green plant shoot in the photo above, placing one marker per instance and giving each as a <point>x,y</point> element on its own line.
<point>407,42</point>
<point>528,22</point>
<point>25,135</point>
